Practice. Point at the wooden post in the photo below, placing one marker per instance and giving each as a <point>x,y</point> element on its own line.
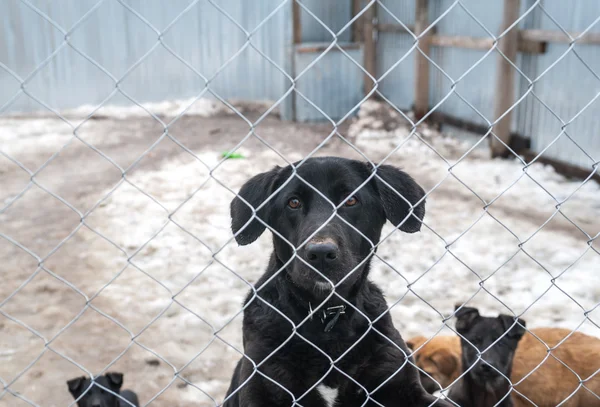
<point>369,47</point>
<point>297,22</point>
<point>505,79</point>
<point>357,27</point>
<point>422,65</point>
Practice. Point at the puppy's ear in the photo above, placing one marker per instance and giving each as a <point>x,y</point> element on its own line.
<point>465,317</point>
<point>414,343</point>
<point>115,380</point>
<point>399,194</point>
<point>255,191</point>
<point>517,330</point>
<point>447,362</point>
<point>76,386</point>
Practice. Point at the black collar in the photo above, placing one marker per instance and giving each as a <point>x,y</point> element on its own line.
<point>329,316</point>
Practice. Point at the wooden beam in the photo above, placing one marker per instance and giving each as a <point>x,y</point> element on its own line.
<point>505,80</point>
<point>309,47</point>
<point>531,43</point>
<point>357,27</point>
<point>566,169</point>
<point>297,22</point>
<point>457,41</point>
<point>558,36</point>
<point>484,44</point>
<point>369,52</point>
<point>395,28</point>
<point>518,143</point>
<point>422,64</point>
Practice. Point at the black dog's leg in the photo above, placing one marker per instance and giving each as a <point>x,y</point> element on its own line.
<point>131,397</point>
<point>234,401</point>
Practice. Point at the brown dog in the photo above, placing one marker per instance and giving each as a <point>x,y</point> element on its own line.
<point>548,386</point>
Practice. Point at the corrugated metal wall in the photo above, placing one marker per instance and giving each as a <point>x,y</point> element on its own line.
<point>334,83</point>
<point>398,85</point>
<point>116,38</point>
<point>206,38</point>
<point>566,89</point>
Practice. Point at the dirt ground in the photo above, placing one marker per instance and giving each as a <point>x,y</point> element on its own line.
<point>151,338</point>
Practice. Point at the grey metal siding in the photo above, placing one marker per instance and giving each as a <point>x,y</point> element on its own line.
<point>566,88</point>
<point>333,84</point>
<point>117,39</point>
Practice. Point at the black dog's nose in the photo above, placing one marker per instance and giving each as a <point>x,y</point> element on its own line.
<point>321,252</point>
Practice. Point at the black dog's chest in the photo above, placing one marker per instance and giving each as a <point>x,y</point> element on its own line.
<point>313,364</point>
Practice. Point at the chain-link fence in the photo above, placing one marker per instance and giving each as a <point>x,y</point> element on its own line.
<point>117,247</point>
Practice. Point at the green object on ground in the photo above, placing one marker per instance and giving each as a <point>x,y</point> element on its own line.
<point>228,154</point>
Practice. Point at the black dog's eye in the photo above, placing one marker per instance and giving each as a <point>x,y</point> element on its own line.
<point>294,203</point>
<point>351,201</point>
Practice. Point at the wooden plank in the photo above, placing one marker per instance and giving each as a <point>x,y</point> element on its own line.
<point>559,36</point>
<point>518,142</point>
<point>422,65</point>
<point>395,28</point>
<point>505,80</point>
<point>457,41</point>
<point>566,169</point>
<point>309,47</point>
<point>484,44</point>
<point>527,46</point>
<point>297,22</point>
<point>527,43</point>
<point>369,47</point>
<point>357,26</point>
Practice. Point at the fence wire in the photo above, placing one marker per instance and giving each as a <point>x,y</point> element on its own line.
<point>414,134</point>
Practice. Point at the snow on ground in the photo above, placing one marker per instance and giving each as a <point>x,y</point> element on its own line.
<point>189,272</point>
<point>440,278</point>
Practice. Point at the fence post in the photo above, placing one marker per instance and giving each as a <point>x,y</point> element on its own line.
<point>357,26</point>
<point>422,65</point>
<point>296,22</point>
<point>505,79</point>
<point>369,46</point>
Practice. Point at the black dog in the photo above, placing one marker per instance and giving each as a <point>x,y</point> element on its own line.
<point>96,396</point>
<point>295,365</point>
<point>487,378</point>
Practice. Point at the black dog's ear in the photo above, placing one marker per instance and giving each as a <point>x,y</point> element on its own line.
<point>255,191</point>
<point>115,380</point>
<point>517,330</point>
<point>465,317</point>
<point>398,204</point>
<point>75,386</point>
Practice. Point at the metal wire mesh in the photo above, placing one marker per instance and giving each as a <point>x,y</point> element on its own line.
<point>169,214</point>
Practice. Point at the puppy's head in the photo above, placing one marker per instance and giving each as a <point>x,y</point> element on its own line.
<point>96,396</point>
<point>496,339</point>
<point>300,206</point>
<point>438,360</point>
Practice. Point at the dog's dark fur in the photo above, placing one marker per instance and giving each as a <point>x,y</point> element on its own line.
<point>96,396</point>
<point>287,296</point>
<point>486,381</point>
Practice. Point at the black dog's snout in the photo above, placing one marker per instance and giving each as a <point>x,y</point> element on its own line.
<point>322,252</point>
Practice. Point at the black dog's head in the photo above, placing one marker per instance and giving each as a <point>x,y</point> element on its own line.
<point>96,396</point>
<point>481,334</point>
<point>304,202</point>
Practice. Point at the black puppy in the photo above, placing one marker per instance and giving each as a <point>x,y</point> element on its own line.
<point>487,379</point>
<point>97,396</point>
<point>348,351</point>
